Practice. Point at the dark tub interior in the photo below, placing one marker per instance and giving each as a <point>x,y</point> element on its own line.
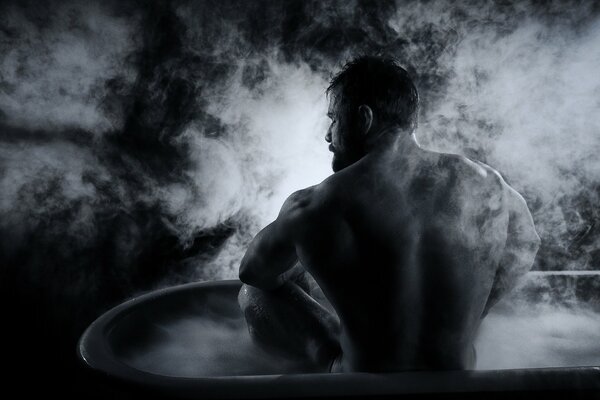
<point>193,339</point>
<point>194,332</point>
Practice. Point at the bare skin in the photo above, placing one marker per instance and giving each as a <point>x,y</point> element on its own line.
<point>408,249</point>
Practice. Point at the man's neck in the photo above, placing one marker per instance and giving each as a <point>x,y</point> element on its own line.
<point>393,139</point>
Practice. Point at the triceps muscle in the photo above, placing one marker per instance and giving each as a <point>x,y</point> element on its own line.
<point>521,247</point>
<point>271,253</point>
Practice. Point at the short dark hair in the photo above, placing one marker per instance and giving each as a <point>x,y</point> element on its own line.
<point>381,84</point>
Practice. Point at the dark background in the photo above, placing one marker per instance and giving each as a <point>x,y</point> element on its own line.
<point>144,143</point>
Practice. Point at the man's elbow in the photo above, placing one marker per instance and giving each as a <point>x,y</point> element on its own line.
<point>529,251</point>
<point>534,243</point>
<point>246,276</point>
<point>247,271</point>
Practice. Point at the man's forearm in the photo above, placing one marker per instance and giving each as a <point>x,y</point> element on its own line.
<point>273,282</point>
<point>269,283</point>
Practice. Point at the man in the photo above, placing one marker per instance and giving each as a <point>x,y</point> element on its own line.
<point>410,247</point>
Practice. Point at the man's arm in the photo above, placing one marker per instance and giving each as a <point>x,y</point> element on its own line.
<point>272,252</point>
<point>522,244</point>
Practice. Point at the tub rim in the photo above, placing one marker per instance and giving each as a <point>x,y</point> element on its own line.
<point>95,353</point>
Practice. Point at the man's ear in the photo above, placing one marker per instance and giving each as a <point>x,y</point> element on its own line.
<point>365,115</point>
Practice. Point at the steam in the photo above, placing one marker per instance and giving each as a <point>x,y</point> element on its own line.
<point>279,140</point>
<point>143,145</point>
<point>202,348</point>
<point>546,337</point>
<point>524,102</point>
<point>54,77</point>
<point>539,337</point>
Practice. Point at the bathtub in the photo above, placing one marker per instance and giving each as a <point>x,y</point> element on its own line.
<point>191,341</point>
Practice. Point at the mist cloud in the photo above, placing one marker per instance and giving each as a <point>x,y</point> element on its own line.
<point>144,144</point>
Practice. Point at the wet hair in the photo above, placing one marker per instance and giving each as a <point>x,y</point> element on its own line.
<point>381,84</point>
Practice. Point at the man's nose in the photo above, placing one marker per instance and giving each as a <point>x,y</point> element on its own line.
<point>328,136</point>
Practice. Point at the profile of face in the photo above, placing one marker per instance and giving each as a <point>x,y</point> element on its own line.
<point>342,135</point>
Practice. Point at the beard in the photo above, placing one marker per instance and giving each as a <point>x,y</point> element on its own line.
<point>350,147</point>
<point>338,163</point>
<point>346,156</point>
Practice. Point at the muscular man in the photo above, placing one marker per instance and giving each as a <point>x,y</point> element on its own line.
<point>409,248</point>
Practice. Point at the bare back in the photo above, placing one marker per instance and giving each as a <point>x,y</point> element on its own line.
<point>406,249</point>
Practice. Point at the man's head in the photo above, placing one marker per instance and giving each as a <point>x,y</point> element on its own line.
<point>369,96</point>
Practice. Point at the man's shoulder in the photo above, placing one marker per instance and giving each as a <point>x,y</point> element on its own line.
<point>298,201</point>
<point>305,216</point>
<point>511,194</point>
<point>472,171</point>
<point>307,201</point>
<point>468,168</point>
<point>496,186</point>
<point>473,179</point>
